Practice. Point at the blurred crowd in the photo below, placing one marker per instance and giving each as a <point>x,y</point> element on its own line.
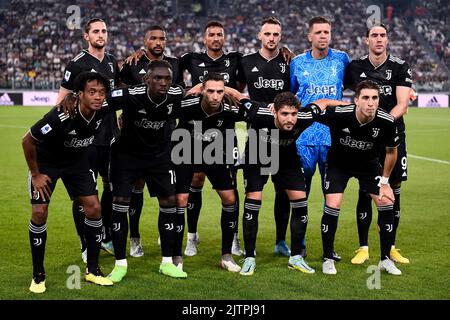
<point>38,38</point>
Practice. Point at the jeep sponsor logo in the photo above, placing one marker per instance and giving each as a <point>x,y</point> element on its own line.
<point>79,143</point>
<point>276,141</point>
<point>40,99</point>
<point>147,124</point>
<point>276,84</point>
<point>207,136</point>
<point>352,143</point>
<point>325,90</point>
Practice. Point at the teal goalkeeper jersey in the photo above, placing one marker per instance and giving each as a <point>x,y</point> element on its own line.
<point>313,79</point>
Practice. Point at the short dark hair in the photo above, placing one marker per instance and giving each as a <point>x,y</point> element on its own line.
<point>366,84</point>
<point>214,76</point>
<point>87,27</point>
<point>152,65</point>
<point>87,76</point>
<point>154,27</point>
<point>159,64</point>
<point>286,99</point>
<point>317,20</point>
<point>213,23</point>
<point>376,25</point>
<point>271,20</point>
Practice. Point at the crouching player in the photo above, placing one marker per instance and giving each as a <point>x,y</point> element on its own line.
<point>358,131</point>
<point>55,147</point>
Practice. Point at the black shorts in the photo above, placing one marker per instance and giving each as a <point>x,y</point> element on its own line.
<point>126,169</point>
<point>400,170</point>
<point>221,176</point>
<point>336,178</point>
<point>78,179</point>
<point>99,157</point>
<point>287,178</point>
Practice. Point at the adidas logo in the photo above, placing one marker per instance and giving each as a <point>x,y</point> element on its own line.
<point>255,69</point>
<point>346,130</point>
<point>433,102</point>
<point>306,73</point>
<point>363,75</point>
<point>404,174</point>
<point>5,100</point>
<point>72,133</point>
<point>142,111</point>
<point>93,70</point>
<point>202,64</point>
<point>142,71</point>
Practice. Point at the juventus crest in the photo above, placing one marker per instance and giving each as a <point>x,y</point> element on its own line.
<point>388,74</point>
<point>283,67</point>
<point>375,132</point>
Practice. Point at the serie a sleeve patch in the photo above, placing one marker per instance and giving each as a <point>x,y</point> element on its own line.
<point>67,75</point>
<point>46,129</point>
<point>117,93</point>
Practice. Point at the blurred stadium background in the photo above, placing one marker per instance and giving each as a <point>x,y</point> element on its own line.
<point>38,37</point>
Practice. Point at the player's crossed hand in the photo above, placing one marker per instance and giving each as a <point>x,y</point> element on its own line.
<point>386,191</point>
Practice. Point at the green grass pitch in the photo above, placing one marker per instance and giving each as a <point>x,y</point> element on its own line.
<point>424,235</point>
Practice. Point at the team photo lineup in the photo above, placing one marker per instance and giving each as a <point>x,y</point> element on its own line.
<point>167,125</point>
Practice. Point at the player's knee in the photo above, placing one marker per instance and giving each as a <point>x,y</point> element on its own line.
<point>395,184</point>
<point>139,185</point>
<point>39,214</point>
<point>255,195</point>
<point>169,201</point>
<point>228,198</point>
<point>121,200</point>
<point>92,209</point>
<point>182,199</point>
<point>198,180</point>
<point>333,203</point>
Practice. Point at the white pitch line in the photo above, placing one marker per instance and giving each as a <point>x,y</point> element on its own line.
<point>428,159</point>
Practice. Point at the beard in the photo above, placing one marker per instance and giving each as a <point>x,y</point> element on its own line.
<point>156,54</point>
<point>98,46</point>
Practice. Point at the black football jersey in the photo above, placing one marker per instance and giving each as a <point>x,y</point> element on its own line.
<point>390,74</point>
<point>265,78</point>
<point>132,74</point>
<point>62,139</point>
<point>199,64</point>
<point>85,61</point>
<point>205,129</point>
<point>354,145</point>
<point>146,127</point>
<point>262,121</point>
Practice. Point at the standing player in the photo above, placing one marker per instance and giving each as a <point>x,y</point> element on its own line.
<point>394,78</point>
<point>143,152</point>
<point>132,74</point>
<point>95,59</point>
<point>316,74</point>
<point>56,147</point>
<point>358,131</point>
<point>266,75</point>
